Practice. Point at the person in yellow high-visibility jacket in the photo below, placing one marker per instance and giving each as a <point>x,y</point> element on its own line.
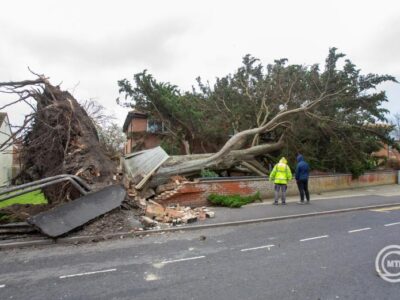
<point>280,175</point>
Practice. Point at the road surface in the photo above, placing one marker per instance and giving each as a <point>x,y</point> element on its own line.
<point>326,257</point>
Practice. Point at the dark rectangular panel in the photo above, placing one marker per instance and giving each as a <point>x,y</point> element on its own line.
<point>71,215</point>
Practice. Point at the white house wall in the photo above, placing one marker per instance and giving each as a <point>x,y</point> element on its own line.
<point>6,155</point>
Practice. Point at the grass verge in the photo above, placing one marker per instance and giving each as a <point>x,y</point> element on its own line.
<point>35,197</point>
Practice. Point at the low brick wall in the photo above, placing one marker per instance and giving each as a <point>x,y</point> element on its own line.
<point>195,193</point>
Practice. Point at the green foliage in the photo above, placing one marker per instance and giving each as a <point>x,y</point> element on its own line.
<point>170,146</point>
<point>7,218</point>
<point>208,173</point>
<point>338,134</point>
<point>233,201</point>
<point>36,197</point>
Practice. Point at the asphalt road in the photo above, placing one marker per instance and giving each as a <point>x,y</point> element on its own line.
<point>327,257</point>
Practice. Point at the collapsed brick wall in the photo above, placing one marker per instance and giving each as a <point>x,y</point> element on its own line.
<point>195,194</point>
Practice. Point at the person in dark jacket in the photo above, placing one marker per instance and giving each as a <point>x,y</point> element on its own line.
<point>301,174</point>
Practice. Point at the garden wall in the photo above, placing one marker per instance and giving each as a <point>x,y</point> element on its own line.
<point>195,193</point>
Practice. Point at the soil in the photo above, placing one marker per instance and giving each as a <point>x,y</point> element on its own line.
<point>118,220</point>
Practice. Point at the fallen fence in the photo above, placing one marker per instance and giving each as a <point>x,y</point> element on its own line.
<point>77,182</point>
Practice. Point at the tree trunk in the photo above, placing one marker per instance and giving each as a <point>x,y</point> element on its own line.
<point>186,166</point>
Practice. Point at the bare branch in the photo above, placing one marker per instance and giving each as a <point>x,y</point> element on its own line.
<point>15,102</point>
<point>26,121</point>
<point>20,84</point>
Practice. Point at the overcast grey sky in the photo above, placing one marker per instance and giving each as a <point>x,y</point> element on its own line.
<point>89,45</point>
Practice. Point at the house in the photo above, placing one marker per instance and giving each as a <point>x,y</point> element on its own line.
<point>142,132</point>
<point>386,155</point>
<point>6,155</point>
<point>389,155</point>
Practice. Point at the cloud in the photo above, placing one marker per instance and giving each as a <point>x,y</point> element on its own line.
<point>381,52</point>
<point>152,46</point>
<point>177,40</point>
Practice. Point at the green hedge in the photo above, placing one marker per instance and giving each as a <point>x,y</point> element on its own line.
<point>233,201</point>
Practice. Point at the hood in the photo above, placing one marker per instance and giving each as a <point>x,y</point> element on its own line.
<point>283,161</point>
<point>300,158</point>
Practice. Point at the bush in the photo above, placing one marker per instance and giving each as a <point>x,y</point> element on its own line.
<point>171,147</point>
<point>208,173</point>
<point>233,201</point>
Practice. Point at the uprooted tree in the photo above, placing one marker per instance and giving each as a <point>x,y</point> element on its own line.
<point>261,112</point>
<point>58,137</point>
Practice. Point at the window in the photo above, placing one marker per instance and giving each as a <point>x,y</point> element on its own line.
<point>155,126</point>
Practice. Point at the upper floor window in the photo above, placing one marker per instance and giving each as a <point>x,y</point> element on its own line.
<point>155,126</point>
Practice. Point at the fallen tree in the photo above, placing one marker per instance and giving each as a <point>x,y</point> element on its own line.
<point>230,155</point>
<point>259,113</point>
<point>58,137</point>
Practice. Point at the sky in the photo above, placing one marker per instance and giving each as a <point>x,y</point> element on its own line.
<point>88,46</point>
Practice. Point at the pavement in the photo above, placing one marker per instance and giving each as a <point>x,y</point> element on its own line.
<point>328,202</point>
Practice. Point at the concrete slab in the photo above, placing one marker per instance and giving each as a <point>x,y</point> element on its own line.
<point>66,217</point>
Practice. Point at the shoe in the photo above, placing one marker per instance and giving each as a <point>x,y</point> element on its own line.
<point>283,203</point>
<point>300,202</point>
<point>275,203</point>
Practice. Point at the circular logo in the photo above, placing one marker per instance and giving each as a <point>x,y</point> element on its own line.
<point>387,263</point>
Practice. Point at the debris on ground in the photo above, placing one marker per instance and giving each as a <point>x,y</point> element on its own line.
<point>148,222</point>
<point>176,214</point>
<point>64,218</point>
<point>162,192</point>
<point>115,221</point>
<point>155,214</point>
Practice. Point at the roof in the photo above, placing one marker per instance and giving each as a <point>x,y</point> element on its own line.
<point>3,116</point>
<point>131,115</point>
<point>139,166</point>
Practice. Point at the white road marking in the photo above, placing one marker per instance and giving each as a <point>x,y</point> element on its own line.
<point>182,259</point>
<point>151,277</point>
<point>87,273</point>
<point>158,265</point>
<point>391,224</point>
<point>256,248</point>
<point>2,285</point>
<point>386,209</point>
<point>358,230</point>
<point>314,238</point>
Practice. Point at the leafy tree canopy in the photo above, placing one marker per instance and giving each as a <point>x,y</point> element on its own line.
<point>338,134</point>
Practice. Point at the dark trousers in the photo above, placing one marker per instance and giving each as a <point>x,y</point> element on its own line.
<point>303,189</point>
<point>280,188</point>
